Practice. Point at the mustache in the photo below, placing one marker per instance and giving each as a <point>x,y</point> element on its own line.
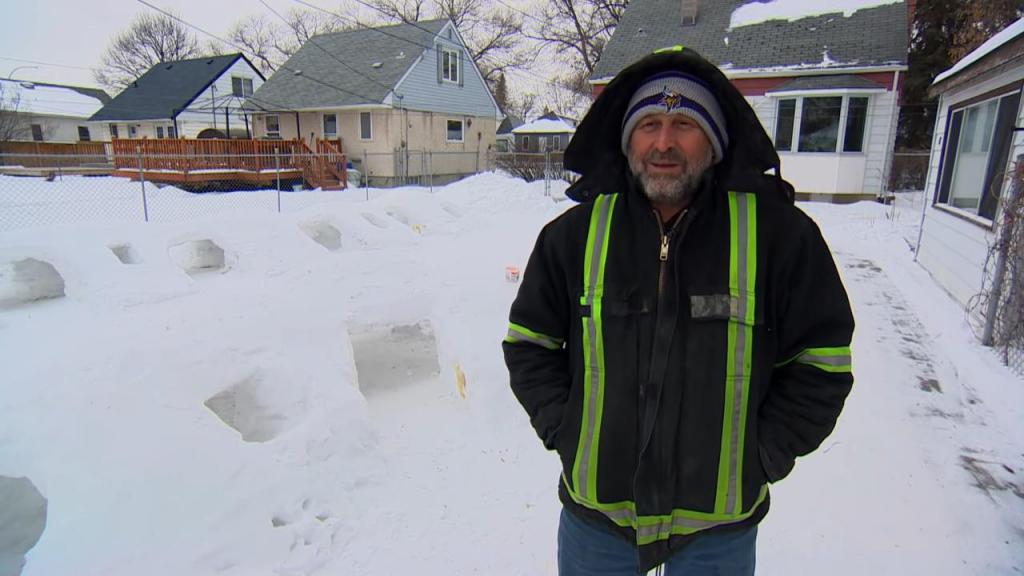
<point>670,155</point>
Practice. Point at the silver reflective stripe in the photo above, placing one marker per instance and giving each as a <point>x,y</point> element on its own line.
<point>593,290</point>
<point>742,334</point>
<point>837,360</point>
<point>517,333</point>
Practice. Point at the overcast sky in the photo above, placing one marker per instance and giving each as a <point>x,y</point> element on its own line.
<point>61,40</point>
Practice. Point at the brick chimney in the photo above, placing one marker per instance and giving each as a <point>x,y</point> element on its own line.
<point>688,14</point>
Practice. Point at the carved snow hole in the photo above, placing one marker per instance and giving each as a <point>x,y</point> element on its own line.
<point>22,521</point>
<point>452,209</point>
<point>323,234</point>
<point>125,253</point>
<point>393,357</point>
<point>375,220</point>
<point>257,409</point>
<point>28,280</point>
<point>398,216</point>
<point>197,256</point>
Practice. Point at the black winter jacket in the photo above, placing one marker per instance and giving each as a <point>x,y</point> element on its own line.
<point>678,372</point>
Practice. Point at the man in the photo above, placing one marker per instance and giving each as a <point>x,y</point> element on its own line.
<point>682,335</point>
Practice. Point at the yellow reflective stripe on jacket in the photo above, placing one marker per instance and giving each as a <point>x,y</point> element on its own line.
<point>517,333</point>
<point>584,474</point>
<point>742,281</point>
<point>829,359</point>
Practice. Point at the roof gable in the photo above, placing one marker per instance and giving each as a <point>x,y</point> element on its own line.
<point>868,37</point>
<point>166,89</point>
<point>347,68</point>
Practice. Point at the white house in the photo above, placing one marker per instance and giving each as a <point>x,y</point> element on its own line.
<point>200,97</point>
<point>826,94</point>
<point>549,133</point>
<point>973,153</point>
<point>44,112</point>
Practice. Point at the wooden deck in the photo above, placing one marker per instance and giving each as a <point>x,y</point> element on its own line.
<point>226,162</point>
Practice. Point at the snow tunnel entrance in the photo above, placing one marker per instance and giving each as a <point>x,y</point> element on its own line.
<point>197,256</point>
<point>393,357</point>
<point>22,521</point>
<point>28,280</point>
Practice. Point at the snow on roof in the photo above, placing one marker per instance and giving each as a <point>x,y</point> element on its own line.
<point>757,12</point>
<point>1009,33</point>
<point>544,126</point>
<point>49,100</point>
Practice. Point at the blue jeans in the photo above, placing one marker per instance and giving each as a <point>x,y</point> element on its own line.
<point>588,550</point>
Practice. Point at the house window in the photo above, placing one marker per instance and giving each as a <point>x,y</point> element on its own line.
<point>365,126</point>
<point>113,131</point>
<point>273,126</point>
<point>330,125</point>
<point>83,134</point>
<point>450,65</point>
<point>820,123</point>
<point>160,132</point>
<point>525,142</point>
<point>784,124</point>
<point>37,132</point>
<point>977,150</point>
<point>133,131</point>
<point>455,130</point>
<point>819,126</point>
<point>241,87</point>
<point>171,132</point>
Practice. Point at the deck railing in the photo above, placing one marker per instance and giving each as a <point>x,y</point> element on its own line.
<point>192,155</point>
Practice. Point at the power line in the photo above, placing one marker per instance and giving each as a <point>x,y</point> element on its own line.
<point>325,51</point>
<point>240,49</point>
<point>45,63</point>
<point>345,20</point>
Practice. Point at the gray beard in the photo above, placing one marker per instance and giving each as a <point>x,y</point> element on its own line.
<point>675,191</point>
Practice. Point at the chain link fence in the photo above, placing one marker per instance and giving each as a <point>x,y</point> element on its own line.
<point>1001,300</point>
<point>908,171</point>
<point>105,187</point>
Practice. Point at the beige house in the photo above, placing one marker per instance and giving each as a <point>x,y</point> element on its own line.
<point>405,101</point>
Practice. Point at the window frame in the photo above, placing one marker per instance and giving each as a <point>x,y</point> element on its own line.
<point>843,121</point>
<point>450,70</point>
<point>159,132</point>
<point>37,133</point>
<point>369,124</point>
<point>323,124</point>
<point>243,82</point>
<point>88,135</point>
<point>274,134</point>
<point>997,150</point>
<point>462,130</point>
<point>113,131</point>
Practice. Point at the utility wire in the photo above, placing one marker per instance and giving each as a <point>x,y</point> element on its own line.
<point>325,51</point>
<point>240,49</point>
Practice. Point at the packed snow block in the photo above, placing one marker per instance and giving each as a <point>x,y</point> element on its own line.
<point>125,253</point>
<point>397,215</point>
<point>22,521</point>
<point>197,256</point>
<point>29,280</point>
<point>322,233</point>
<point>258,409</point>
<point>375,220</point>
<point>392,357</point>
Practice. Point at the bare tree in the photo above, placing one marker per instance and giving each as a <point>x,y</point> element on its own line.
<point>493,37</point>
<point>259,39</point>
<point>149,40</point>
<point>522,106</point>
<point>578,30</point>
<point>13,124</point>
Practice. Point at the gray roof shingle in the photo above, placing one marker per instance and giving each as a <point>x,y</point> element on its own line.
<point>166,89</point>
<point>315,76</point>
<point>868,37</point>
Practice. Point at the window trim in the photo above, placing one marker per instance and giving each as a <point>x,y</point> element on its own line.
<point>370,116</point>
<point>266,125</point>
<point>88,134</point>
<point>242,83</point>
<point>462,130</point>
<point>159,132</point>
<point>844,111</point>
<point>453,67</point>
<point>37,128</point>
<point>323,124</point>
<point>113,131</point>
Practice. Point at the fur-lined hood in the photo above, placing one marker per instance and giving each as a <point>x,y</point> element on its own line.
<point>595,150</point>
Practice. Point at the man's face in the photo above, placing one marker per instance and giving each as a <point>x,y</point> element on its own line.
<point>669,153</point>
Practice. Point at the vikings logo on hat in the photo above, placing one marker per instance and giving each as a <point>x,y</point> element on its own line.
<point>671,99</point>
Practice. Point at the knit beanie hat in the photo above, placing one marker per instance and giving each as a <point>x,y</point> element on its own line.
<point>678,93</point>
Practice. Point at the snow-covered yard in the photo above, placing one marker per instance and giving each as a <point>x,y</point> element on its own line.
<point>254,393</point>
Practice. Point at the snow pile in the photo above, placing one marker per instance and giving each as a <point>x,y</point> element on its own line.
<point>47,100</point>
<point>792,10</point>
<point>322,392</point>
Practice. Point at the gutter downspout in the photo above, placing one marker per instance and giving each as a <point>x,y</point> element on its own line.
<point>891,149</point>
